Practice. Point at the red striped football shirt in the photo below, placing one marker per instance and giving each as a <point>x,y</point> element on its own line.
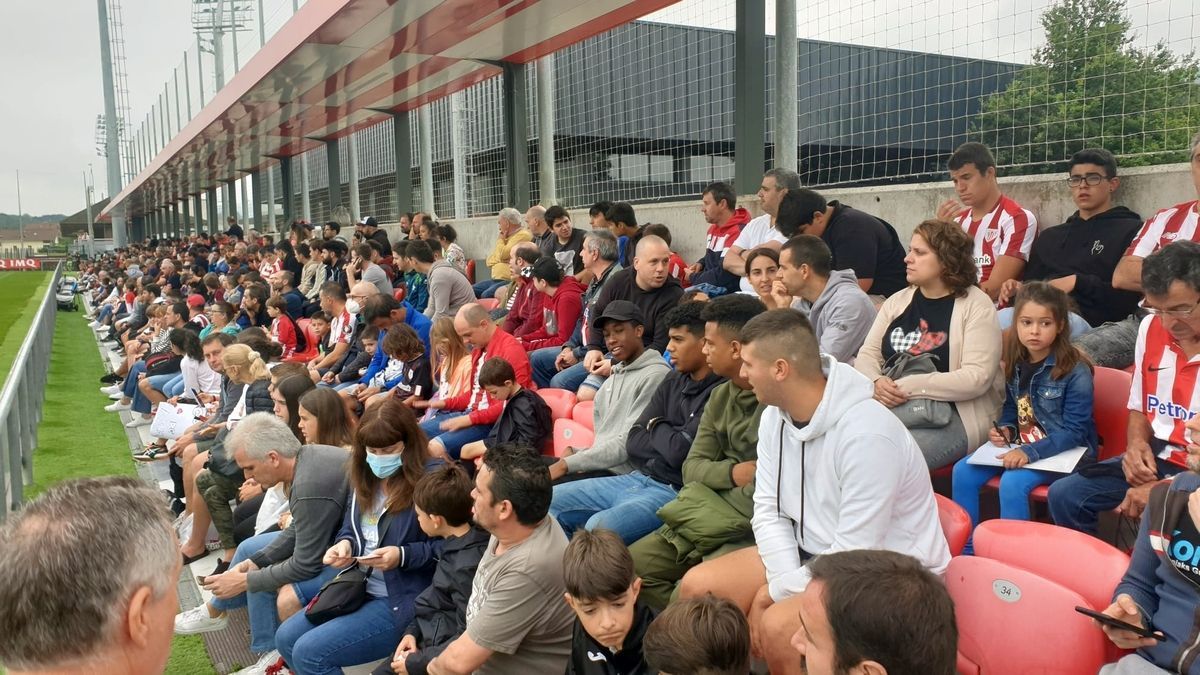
<point>1177,223</point>
<point>1165,382</point>
<point>1008,229</point>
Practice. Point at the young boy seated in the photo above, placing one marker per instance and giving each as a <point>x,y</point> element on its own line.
<point>347,374</point>
<point>319,324</point>
<point>610,623</point>
<point>406,373</point>
<point>525,419</point>
<point>706,635</point>
<point>442,499</point>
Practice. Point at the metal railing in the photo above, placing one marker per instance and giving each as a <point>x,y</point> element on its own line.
<point>21,403</point>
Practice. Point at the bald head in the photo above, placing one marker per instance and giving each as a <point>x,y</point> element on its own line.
<point>535,219</point>
<point>474,325</point>
<point>651,262</point>
<point>364,289</point>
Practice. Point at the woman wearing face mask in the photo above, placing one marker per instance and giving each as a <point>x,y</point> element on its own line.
<point>380,532</point>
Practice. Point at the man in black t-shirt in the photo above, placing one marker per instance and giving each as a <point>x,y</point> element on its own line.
<point>858,240</point>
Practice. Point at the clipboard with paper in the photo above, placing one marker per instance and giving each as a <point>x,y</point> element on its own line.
<point>1063,462</point>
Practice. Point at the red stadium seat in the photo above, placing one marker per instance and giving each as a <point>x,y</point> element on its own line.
<point>303,324</point>
<point>1041,548</point>
<point>570,433</point>
<point>560,401</point>
<point>488,303</point>
<point>583,413</point>
<point>1013,621</point>
<point>956,523</point>
<point>471,271</point>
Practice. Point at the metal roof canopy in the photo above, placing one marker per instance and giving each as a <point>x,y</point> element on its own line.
<point>341,65</point>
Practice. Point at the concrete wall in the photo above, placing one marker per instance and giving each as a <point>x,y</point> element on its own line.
<point>1143,189</point>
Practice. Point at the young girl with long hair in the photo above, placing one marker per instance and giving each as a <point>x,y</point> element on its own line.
<point>1047,408</point>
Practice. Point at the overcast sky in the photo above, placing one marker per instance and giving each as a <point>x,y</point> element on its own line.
<point>51,73</point>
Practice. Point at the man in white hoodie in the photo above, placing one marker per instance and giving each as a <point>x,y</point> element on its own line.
<point>836,472</point>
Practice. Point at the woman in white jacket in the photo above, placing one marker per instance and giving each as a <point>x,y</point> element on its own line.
<point>836,471</point>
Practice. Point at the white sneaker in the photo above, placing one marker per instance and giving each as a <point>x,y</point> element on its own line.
<point>117,396</point>
<point>197,620</point>
<point>138,421</point>
<point>260,668</point>
<point>111,389</point>
<point>94,324</point>
<point>117,407</point>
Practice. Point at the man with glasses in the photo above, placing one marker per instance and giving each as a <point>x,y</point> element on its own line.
<point>1111,345</point>
<point>1079,256</point>
<point>1162,398</point>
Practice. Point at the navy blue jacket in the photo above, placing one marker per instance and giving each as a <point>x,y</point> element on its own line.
<point>418,553</point>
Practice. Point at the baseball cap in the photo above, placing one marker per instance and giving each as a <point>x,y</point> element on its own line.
<point>369,221</point>
<point>619,310</point>
<point>195,300</point>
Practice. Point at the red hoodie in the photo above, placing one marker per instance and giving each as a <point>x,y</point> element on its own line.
<point>559,316</point>
<point>525,315</point>
<point>482,408</point>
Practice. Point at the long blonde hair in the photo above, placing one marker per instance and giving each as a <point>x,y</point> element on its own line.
<point>456,349</point>
<point>247,361</point>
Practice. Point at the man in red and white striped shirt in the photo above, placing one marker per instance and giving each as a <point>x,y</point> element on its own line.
<point>1165,394</point>
<point>1003,231</point>
<point>1111,345</point>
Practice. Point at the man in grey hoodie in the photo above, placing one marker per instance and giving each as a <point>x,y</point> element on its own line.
<point>449,289</point>
<point>636,374</point>
<point>840,312</point>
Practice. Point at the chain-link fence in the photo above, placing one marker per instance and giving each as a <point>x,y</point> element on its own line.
<point>886,90</point>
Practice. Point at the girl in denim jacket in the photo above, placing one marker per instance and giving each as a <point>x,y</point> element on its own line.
<point>1047,407</point>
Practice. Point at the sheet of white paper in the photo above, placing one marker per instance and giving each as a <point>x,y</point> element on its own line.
<point>1063,462</point>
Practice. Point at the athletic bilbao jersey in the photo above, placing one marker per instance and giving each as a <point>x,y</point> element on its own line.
<point>1008,229</point>
<point>1178,223</point>
<point>1164,383</point>
<point>341,328</point>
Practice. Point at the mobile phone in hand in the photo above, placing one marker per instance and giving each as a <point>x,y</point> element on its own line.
<point>1122,625</point>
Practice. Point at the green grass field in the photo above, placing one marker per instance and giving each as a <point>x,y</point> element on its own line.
<point>19,293</point>
<point>77,439</point>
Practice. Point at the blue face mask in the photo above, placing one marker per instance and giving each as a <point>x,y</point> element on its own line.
<point>384,465</point>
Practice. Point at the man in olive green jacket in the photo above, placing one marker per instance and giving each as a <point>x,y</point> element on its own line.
<point>711,515</point>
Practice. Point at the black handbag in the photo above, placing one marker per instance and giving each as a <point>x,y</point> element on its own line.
<point>341,595</point>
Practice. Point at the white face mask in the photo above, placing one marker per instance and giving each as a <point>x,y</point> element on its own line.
<point>352,306</point>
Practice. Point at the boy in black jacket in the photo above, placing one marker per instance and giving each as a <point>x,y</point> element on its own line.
<point>602,588</point>
<point>525,419</point>
<point>443,503</point>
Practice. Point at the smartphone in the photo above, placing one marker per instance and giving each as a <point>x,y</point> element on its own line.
<point>1117,623</point>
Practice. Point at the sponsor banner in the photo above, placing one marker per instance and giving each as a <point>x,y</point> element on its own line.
<point>20,264</point>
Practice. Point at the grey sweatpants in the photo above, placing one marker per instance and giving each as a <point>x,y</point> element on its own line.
<point>1132,665</point>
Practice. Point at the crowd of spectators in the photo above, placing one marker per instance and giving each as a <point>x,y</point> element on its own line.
<point>757,485</point>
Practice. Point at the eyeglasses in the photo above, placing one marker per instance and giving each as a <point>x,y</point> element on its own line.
<point>1169,313</point>
<point>1092,179</point>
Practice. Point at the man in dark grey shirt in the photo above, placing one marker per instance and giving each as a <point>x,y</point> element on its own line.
<point>278,568</point>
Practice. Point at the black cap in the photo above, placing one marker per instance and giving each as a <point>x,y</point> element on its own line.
<point>619,310</point>
<point>369,221</point>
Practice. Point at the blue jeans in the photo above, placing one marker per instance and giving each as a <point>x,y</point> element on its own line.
<point>174,387</point>
<point>626,504</point>
<point>1015,486</point>
<point>453,441</point>
<point>129,387</point>
<point>488,288</point>
<point>141,404</point>
<point>367,635</point>
<point>541,361</point>
<point>264,617</point>
<point>1077,500</point>
<point>105,314</point>
<point>1079,325</point>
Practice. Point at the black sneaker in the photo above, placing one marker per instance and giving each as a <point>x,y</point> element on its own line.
<point>111,378</point>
